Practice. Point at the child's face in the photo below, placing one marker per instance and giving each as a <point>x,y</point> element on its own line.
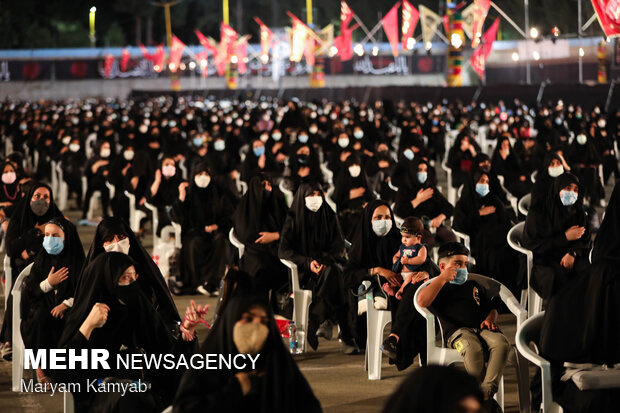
<point>409,240</point>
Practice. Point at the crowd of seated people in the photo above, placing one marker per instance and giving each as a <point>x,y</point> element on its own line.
<point>334,187</point>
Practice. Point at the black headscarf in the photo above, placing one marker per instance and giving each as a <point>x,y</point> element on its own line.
<point>204,206</point>
<point>345,182</point>
<point>282,388</point>
<point>135,318</point>
<point>368,249</point>
<point>544,182</point>
<point>71,256</point>
<point>258,210</point>
<point>10,192</point>
<point>146,267</point>
<point>23,218</point>
<point>433,389</point>
<point>315,232</point>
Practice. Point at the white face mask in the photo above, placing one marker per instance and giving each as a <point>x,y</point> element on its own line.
<point>121,246</point>
<point>65,140</point>
<point>602,123</point>
<point>128,155</point>
<point>219,145</point>
<point>359,134</point>
<point>333,116</point>
<point>313,129</point>
<point>581,139</point>
<point>239,122</point>
<point>556,171</point>
<point>264,138</point>
<point>202,181</point>
<point>314,202</point>
<point>355,170</point>
<point>143,128</point>
<point>105,153</point>
<point>381,227</point>
<point>74,147</point>
<point>276,136</point>
<point>249,338</point>
<point>343,142</point>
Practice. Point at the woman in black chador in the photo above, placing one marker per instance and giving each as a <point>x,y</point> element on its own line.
<point>258,221</point>
<point>352,191</point>
<point>581,321</point>
<point>274,385</point>
<point>556,230</point>
<point>48,291</point>
<point>23,240</point>
<point>372,250</point>
<point>119,310</point>
<point>312,239</point>
<point>480,213</point>
<point>204,210</point>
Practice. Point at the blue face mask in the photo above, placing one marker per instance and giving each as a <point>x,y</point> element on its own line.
<point>461,276</point>
<point>422,176</point>
<point>408,154</point>
<point>482,189</point>
<point>53,245</point>
<point>568,198</point>
<point>259,151</point>
<point>197,141</point>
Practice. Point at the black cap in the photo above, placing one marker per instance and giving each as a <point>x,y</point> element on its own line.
<point>452,248</point>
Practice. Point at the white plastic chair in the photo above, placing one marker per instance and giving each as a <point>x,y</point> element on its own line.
<point>288,194</point>
<point>511,198</point>
<point>376,320</point>
<point>63,188</point>
<point>8,278</point>
<point>462,237</point>
<point>451,189</point>
<point>529,332</point>
<point>54,177</point>
<point>436,353</point>
<point>90,214</point>
<point>183,169</point>
<point>18,342</point>
<point>89,145</point>
<point>524,204</point>
<point>301,304</point>
<point>529,296</point>
<point>327,173</point>
<point>236,243</point>
<point>135,215</point>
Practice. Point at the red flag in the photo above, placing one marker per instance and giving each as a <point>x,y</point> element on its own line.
<point>206,43</point>
<point>481,9</point>
<point>299,33</point>
<point>158,58</point>
<point>241,51</point>
<point>108,62</point>
<point>479,58</point>
<point>346,14</point>
<point>228,36</point>
<point>176,51</point>
<point>344,43</point>
<point>410,21</point>
<point>228,39</point>
<point>266,37</point>
<point>608,14</point>
<point>390,25</point>
<point>124,59</point>
<point>446,24</point>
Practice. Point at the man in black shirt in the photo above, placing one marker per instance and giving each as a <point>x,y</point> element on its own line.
<point>468,317</point>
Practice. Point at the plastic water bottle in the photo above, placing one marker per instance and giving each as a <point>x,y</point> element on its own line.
<point>293,343</point>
